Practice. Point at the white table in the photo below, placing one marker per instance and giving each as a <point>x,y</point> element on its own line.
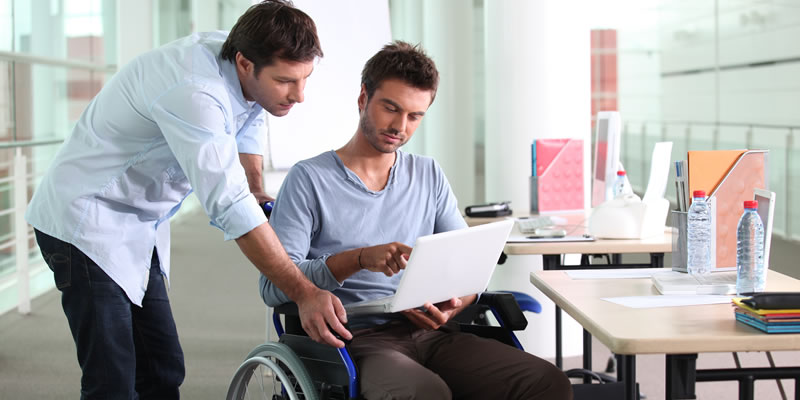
<point>679,332</point>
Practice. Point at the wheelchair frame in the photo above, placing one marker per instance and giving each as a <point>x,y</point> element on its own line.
<point>309,363</point>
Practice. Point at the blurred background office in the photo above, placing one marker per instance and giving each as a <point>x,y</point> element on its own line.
<point>704,74</point>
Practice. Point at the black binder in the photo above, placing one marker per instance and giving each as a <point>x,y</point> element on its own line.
<point>488,210</point>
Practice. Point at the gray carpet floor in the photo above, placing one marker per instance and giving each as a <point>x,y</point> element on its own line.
<point>215,302</point>
<point>220,318</point>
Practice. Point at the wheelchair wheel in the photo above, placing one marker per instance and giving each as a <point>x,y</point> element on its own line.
<point>272,371</point>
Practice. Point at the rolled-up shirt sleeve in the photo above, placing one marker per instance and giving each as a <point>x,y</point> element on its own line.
<point>193,120</point>
<point>295,220</point>
<point>253,139</point>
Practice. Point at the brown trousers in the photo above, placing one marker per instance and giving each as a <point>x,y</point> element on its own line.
<point>399,361</point>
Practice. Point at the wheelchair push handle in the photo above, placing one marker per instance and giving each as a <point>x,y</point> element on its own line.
<point>267,207</point>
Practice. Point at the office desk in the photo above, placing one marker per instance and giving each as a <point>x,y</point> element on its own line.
<point>552,253</point>
<point>679,332</point>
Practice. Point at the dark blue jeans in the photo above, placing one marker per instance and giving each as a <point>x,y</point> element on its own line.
<point>125,351</point>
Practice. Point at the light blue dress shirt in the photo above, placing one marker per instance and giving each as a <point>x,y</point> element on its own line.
<point>323,208</point>
<point>170,122</point>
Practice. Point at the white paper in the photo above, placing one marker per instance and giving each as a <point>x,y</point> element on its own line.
<point>659,171</point>
<point>621,273</point>
<point>675,282</point>
<point>668,301</point>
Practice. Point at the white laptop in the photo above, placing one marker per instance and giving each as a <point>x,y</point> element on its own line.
<point>442,266</point>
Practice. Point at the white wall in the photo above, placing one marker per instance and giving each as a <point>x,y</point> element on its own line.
<point>206,17</point>
<point>537,86</point>
<point>351,31</point>
<point>446,31</point>
<point>135,29</point>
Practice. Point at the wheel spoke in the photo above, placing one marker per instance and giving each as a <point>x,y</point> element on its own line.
<point>289,376</point>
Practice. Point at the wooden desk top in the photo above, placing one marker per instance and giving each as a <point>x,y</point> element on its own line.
<point>657,244</point>
<point>664,330</point>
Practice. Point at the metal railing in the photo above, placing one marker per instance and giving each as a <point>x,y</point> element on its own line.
<point>638,138</point>
<point>20,180</point>
<point>57,62</point>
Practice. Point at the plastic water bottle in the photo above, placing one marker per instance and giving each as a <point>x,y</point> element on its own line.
<point>698,243</point>
<point>751,275</point>
<point>620,187</point>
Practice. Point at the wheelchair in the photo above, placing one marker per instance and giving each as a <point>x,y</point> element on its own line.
<point>296,367</point>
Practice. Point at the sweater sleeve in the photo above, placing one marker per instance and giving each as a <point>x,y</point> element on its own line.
<point>295,220</point>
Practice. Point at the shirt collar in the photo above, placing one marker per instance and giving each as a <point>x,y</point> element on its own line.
<point>238,102</point>
<point>352,177</point>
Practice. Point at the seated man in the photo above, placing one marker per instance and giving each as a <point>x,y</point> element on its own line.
<point>347,218</point>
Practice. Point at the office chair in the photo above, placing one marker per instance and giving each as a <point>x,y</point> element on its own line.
<point>296,367</point>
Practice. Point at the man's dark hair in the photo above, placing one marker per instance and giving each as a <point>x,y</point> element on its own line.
<point>273,29</point>
<point>403,61</point>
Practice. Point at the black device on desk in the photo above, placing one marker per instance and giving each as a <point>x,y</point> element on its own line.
<point>488,210</point>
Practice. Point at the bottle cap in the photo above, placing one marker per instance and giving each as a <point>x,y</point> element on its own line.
<point>620,173</point>
<point>699,193</point>
<point>750,204</point>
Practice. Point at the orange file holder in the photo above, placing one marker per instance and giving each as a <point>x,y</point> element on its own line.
<point>558,185</point>
<point>730,177</point>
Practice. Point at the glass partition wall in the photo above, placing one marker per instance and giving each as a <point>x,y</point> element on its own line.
<point>705,74</point>
<point>711,74</point>
<point>55,55</point>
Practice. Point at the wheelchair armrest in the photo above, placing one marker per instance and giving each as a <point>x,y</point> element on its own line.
<point>505,306</point>
<point>287,309</point>
<point>291,319</point>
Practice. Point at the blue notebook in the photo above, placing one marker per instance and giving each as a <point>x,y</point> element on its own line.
<point>771,327</point>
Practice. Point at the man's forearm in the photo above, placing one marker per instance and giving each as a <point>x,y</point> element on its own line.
<point>253,170</point>
<point>264,250</point>
<point>344,264</point>
<point>320,311</point>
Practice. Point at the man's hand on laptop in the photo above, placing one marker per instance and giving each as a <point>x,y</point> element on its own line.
<point>433,316</point>
<point>387,258</point>
<point>320,312</point>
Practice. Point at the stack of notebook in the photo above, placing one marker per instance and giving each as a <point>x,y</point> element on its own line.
<point>768,320</point>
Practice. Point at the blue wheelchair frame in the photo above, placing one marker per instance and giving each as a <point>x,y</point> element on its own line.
<point>524,301</point>
<point>343,353</point>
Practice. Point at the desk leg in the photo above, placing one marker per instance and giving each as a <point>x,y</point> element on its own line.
<point>657,260</point>
<point>626,373</point>
<point>559,358</point>
<point>747,388</point>
<point>587,355</point>
<point>551,262</point>
<point>681,376</point>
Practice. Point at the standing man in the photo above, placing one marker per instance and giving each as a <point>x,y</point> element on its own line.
<point>348,218</point>
<point>179,119</point>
